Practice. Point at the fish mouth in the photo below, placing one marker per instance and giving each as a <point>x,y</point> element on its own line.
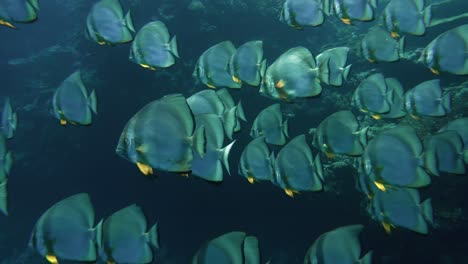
<point>120,151</point>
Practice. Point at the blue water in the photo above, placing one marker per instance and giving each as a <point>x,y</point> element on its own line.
<point>52,162</point>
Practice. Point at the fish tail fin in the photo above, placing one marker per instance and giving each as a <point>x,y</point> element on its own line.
<point>363,136</point>
<point>14,121</point>
<point>367,259</point>
<point>173,46</point>
<point>360,142</point>
<point>345,72</point>
<point>231,68</point>
<point>240,112</point>
<point>129,21</point>
<point>199,141</point>
<point>459,165</point>
<point>92,101</point>
<point>251,250</point>
<point>237,127</point>
<point>401,47</point>
<point>324,71</point>
<point>152,236</point>
<point>430,162</point>
<point>34,4</point>
<point>97,233</point>
<point>326,7</point>
<point>427,15</point>
<point>8,162</point>
<point>263,67</point>
<point>446,103</point>
<point>240,170</point>
<point>229,122</point>
<point>422,178</point>
<point>285,127</point>
<point>258,49</point>
<point>271,158</point>
<point>225,156</point>
<point>318,167</point>
<point>3,197</point>
<point>426,210</point>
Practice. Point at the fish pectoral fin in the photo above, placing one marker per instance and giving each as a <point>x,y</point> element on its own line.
<point>376,116</point>
<point>415,117</point>
<point>142,148</point>
<point>52,259</point>
<point>63,122</point>
<point>280,84</point>
<point>145,169</point>
<point>185,174</point>
<point>328,153</point>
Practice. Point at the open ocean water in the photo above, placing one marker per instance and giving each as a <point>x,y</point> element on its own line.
<point>52,162</point>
